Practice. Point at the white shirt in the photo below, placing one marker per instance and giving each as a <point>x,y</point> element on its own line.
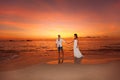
<point>59,42</point>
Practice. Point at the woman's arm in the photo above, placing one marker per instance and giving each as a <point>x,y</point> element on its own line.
<point>70,42</point>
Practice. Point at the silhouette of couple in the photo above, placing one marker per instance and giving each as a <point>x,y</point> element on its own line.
<point>77,54</point>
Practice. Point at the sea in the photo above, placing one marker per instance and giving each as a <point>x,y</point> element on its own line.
<point>95,50</point>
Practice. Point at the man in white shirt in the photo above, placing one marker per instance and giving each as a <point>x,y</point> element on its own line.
<point>60,49</point>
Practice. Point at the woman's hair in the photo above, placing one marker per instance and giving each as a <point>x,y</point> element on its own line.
<point>58,35</point>
<point>76,36</point>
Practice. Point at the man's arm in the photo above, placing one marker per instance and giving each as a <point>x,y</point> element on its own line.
<point>63,40</point>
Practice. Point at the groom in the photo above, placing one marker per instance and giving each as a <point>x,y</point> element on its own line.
<point>60,49</point>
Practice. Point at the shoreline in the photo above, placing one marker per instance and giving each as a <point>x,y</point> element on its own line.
<point>11,66</point>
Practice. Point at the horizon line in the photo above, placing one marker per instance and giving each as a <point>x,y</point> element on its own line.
<point>87,37</point>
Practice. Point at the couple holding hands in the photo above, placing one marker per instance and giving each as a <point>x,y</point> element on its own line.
<point>77,54</point>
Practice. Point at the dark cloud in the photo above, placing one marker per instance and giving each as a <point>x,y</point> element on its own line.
<point>60,5</point>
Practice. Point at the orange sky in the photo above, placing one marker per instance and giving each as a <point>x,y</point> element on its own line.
<point>34,19</point>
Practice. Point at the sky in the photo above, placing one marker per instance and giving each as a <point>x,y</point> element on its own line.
<point>34,19</point>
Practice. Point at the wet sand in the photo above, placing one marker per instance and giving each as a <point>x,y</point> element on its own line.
<point>65,71</point>
<point>24,60</point>
<point>37,66</point>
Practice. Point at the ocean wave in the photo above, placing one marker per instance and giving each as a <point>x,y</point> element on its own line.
<point>18,51</point>
<point>118,47</point>
<point>9,51</point>
<point>102,50</point>
<point>115,44</point>
<point>8,56</point>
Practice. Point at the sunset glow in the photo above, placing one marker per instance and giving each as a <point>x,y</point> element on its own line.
<point>34,19</point>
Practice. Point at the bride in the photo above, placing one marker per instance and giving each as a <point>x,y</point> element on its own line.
<point>77,54</point>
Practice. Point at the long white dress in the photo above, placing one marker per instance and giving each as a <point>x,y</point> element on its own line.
<point>76,50</point>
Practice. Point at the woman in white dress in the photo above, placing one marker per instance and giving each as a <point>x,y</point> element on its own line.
<point>77,54</point>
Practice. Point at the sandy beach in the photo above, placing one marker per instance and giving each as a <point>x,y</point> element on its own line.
<point>65,71</point>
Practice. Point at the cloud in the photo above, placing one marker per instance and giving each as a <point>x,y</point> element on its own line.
<point>10,28</point>
<point>49,15</point>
